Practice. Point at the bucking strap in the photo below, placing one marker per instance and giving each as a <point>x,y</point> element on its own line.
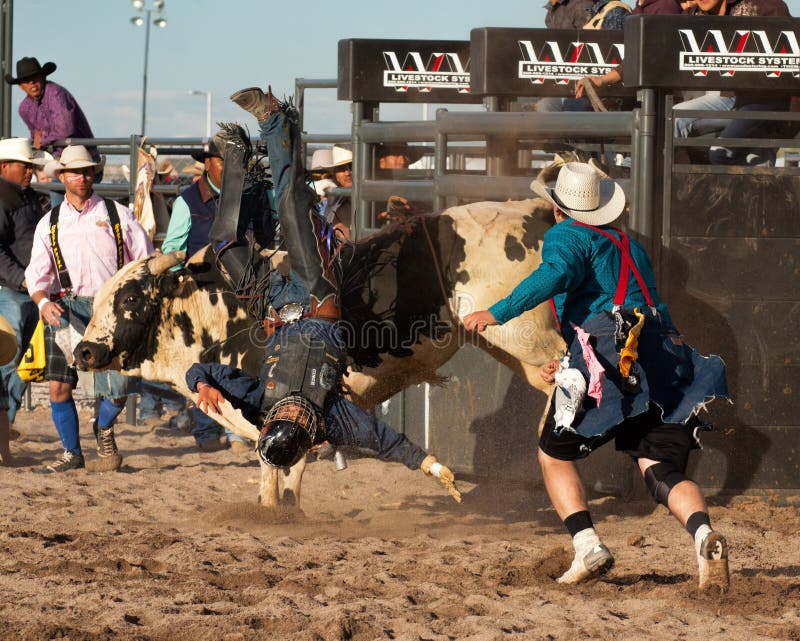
<point>116,232</point>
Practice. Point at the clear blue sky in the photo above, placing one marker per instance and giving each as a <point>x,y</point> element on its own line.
<point>221,46</point>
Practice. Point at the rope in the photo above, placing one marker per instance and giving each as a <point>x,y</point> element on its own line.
<point>439,275</point>
<point>591,93</point>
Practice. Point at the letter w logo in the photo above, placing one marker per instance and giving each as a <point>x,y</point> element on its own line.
<point>442,70</point>
<point>581,59</point>
<point>749,51</point>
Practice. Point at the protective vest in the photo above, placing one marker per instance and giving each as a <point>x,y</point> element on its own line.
<point>202,215</point>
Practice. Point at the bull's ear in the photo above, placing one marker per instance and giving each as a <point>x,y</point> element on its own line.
<point>173,284</point>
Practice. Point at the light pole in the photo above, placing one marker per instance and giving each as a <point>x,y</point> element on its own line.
<point>207,94</point>
<point>138,21</point>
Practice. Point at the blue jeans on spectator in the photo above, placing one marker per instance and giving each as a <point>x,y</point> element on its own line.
<point>719,155</point>
<point>153,405</point>
<point>205,428</point>
<point>556,105</point>
<point>688,127</point>
<point>22,314</point>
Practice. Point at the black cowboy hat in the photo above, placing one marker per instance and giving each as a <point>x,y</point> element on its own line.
<point>29,67</point>
<point>209,151</point>
<point>413,153</point>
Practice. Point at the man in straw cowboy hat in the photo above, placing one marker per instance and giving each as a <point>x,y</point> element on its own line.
<point>603,289</point>
<point>79,245</point>
<point>20,211</point>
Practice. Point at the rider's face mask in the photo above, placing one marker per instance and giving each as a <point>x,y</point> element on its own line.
<point>289,430</point>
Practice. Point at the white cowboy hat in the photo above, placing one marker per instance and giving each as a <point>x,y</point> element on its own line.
<point>20,150</point>
<point>583,195</point>
<point>321,159</point>
<point>73,157</point>
<point>8,342</point>
<point>339,156</point>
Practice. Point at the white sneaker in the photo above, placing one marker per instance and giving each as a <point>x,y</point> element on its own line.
<point>712,561</point>
<point>594,563</point>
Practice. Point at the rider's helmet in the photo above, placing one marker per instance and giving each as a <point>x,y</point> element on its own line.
<point>289,430</point>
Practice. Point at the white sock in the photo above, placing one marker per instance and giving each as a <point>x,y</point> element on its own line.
<point>584,541</point>
<point>702,532</point>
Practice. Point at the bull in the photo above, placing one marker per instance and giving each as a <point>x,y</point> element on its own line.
<point>403,292</point>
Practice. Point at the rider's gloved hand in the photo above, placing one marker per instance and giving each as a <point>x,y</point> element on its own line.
<point>209,398</point>
<point>431,467</point>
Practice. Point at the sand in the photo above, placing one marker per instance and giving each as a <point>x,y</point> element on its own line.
<point>175,547</point>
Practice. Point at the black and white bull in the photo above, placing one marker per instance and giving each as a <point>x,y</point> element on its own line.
<point>404,291</point>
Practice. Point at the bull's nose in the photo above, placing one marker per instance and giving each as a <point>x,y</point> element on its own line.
<point>91,355</point>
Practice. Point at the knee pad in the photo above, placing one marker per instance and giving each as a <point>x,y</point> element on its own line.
<point>661,478</point>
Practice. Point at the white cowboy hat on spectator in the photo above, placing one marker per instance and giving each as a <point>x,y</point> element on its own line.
<point>8,341</point>
<point>321,159</point>
<point>583,195</point>
<point>339,156</point>
<point>20,150</point>
<point>73,157</point>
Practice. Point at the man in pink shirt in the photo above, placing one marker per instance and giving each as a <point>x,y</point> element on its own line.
<point>93,238</point>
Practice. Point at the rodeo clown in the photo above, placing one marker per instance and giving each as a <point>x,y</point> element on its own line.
<point>296,399</point>
<point>605,298</point>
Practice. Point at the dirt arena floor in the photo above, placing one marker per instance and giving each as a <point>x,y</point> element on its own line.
<point>175,547</point>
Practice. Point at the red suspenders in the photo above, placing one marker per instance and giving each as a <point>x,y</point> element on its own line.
<point>626,266</point>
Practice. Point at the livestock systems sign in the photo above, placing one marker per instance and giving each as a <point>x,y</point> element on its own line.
<point>541,62</point>
<point>404,71</point>
<point>693,52</point>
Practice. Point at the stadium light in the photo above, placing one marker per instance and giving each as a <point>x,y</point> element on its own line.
<point>138,21</point>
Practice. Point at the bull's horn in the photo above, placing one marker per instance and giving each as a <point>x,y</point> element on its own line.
<point>158,264</point>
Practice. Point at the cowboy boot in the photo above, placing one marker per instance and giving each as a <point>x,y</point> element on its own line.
<point>256,102</point>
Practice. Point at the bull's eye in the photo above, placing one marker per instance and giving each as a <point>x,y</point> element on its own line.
<point>130,301</point>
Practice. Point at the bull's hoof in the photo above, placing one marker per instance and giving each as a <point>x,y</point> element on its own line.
<point>289,500</point>
<point>104,464</point>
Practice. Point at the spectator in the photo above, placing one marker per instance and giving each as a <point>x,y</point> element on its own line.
<point>647,7</point>
<point>581,14</point>
<point>338,210</point>
<point>397,155</point>
<point>194,210</point>
<point>661,6</point>
<point>50,111</point>
<point>393,157</point>
<point>737,101</point>
<point>20,211</point>
<point>75,250</point>
<point>162,206</point>
<point>321,159</point>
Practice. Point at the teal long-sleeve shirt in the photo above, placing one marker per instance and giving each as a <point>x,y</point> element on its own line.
<point>579,270</point>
